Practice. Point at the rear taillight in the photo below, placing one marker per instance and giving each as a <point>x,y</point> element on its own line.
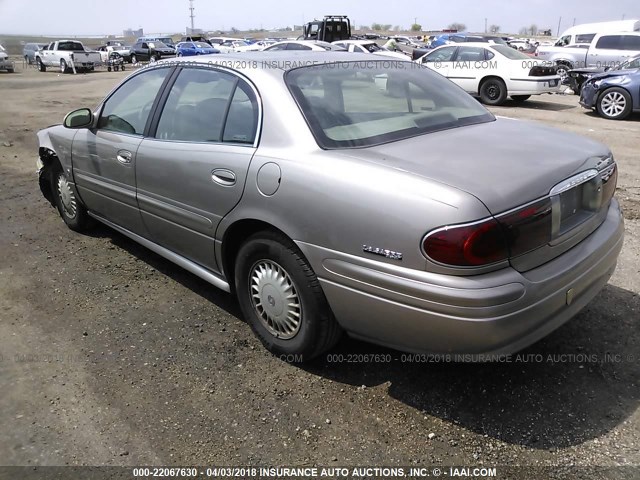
<point>492,240</point>
<point>569,204</point>
<point>470,245</point>
<point>527,228</point>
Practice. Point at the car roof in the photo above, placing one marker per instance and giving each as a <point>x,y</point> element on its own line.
<point>272,62</point>
<point>355,42</point>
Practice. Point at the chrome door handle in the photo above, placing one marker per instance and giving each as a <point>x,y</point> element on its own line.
<point>223,177</point>
<point>124,157</point>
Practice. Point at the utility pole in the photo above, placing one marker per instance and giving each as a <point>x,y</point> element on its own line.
<point>574,21</point>
<point>559,22</point>
<point>623,15</point>
<point>485,24</point>
<point>191,9</point>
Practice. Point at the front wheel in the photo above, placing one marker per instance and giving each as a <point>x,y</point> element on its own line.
<point>41,65</point>
<point>134,59</point>
<point>63,66</point>
<point>520,98</point>
<point>281,298</point>
<point>66,199</point>
<point>562,69</point>
<point>614,104</point>
<point>493,91</point>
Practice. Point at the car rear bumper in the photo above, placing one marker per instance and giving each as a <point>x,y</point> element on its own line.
<point>496,313</point>
<point>534,85</point>
<point>6,64</point>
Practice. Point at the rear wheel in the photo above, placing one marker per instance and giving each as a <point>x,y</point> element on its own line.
<point>520,98</point>
<point>493,91</point>
<point>614,104</point>
<point>66,199</point>
<point>41,65</point>
<point>281,298</point>
<point>63,66</point>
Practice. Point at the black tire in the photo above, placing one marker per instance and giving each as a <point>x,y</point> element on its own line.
<point>76,217</point>
<point>122,67</point>
<point>133,59</point>
<point>63,66</point>
<point>562,69</point>
<point>493,91</point>
<point>154,58</point>
<point>108,69</point>
<point>520,98</point>
<point>41,66</point>
<point>316,331</point>
<point>618,96</point>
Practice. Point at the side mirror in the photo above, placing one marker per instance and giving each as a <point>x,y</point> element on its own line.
<point>81,118</point>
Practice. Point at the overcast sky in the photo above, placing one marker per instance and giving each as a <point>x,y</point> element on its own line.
<point>102,17</point>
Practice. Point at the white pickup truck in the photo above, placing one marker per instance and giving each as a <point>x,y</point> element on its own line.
<point>66,54</point>
<point>605,50</point>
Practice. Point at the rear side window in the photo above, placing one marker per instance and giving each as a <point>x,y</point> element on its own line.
<point>207,105</point>
<point>609,42</point>
<point>630,42</point>
<point>585,37</point>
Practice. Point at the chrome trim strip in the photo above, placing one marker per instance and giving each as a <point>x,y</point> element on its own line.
<point>188,265</point>
<point>574,181</point>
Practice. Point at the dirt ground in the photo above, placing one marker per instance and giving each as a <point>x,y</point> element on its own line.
<point>111,355</point>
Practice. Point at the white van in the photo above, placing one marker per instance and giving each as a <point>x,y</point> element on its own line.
<point>583,34</point>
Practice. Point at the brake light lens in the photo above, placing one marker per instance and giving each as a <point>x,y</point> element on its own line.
<point>492,240</point>
<point>470,245</point>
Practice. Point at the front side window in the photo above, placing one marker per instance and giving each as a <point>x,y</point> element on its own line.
<point>127,110</point>
<point>361,105</point>
<point>444,54</point>
<point>209,106</point>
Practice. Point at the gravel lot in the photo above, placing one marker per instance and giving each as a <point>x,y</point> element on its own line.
<point>111,355</point>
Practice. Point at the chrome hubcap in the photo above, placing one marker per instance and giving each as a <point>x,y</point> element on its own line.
<point>275,299</point>
<point>613,104</point>
<point>67,198</point>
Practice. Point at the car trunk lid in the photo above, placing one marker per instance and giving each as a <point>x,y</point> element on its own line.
<point>508,164</point>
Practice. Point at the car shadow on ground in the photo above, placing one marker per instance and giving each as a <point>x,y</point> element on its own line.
<point>635,116</point>
<point>223,300</point>
<point>575,385</point>
<point>535,104</point>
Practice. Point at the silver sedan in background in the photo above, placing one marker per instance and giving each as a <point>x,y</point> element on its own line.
<point>332,192</point>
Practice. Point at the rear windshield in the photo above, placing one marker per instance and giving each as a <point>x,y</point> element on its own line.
<point>359,104</point>
<point>511,53</point>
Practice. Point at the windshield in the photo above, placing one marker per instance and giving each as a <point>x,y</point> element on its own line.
<point>359,104</point>
<point>629,64</point>
<point>166,40</point>
<point>157,44</point>
<point>202,45</point>
<point>511,53</point>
